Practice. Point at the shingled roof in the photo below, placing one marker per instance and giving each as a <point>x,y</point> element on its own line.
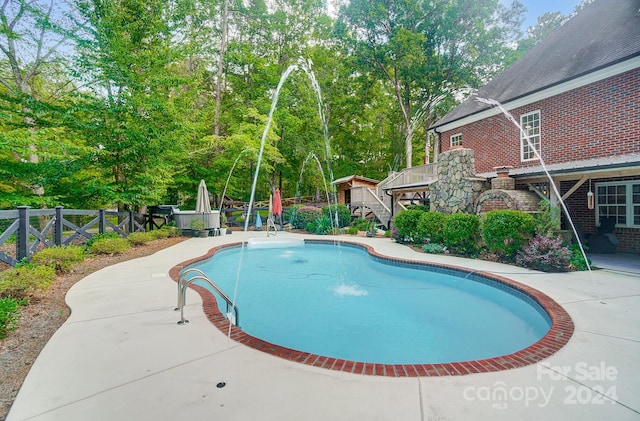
<point>602,34</point>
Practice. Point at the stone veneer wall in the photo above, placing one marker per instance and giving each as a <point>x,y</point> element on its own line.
<point>457,187</point>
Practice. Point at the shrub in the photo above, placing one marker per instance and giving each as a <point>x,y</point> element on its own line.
<point>430,225</point>
<point>343,212</point>
<point>196,224</point>
<point>460,233</point>
<point>546,254</point>
<point>97,237</point>
<point>164,232</point>
<point>352,230</point>
<point>547,220</point>
<point>360,224</point>
<point>506,231</point>
<point>9,315</point>
<point>577,261</point>
<point>139,238</point>
<point>61,258</point>
<point>110,246</point>
<point>304,215</point>
<point>26,281</point>
<point>407,223</point>
<point>320,226</point>
<point>434,248</point>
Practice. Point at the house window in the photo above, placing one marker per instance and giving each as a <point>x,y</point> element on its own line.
<point>620,200</point>
<point>456,140</point>
<point>530,124</point>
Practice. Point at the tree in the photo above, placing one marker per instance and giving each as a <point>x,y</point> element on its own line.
<point>33,37</point>
<point>128,56</point>
<point>425,48</point>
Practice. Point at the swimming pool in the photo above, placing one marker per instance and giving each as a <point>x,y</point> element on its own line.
<point>342,303</point>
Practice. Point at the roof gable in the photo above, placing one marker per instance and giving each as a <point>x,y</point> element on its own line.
<point>604,33</point>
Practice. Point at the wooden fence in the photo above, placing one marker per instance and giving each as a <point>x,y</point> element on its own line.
<point>37,228</point>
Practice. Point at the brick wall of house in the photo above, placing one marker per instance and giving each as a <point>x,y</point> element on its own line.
<point>628,238</point>
<point>597,120</point>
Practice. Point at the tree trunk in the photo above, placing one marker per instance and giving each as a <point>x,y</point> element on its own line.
<point>223,47</point>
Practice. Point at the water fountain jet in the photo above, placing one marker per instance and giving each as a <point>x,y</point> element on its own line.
<point>553,186</point>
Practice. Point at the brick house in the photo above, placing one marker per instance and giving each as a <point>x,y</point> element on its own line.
<point>577,96</point>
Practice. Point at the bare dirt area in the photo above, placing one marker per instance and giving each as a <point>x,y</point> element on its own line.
<point>42,317</point>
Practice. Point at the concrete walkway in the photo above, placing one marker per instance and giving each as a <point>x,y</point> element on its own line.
<point>121,356</point>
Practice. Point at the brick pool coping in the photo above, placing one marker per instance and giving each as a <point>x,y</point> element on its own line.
<point>557,337</point>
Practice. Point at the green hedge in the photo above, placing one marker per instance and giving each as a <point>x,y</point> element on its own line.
<point>407,223</point>
<point>506,231</point>
<point>461,232</point>
<point>431,225</point>
<point>303,215</point>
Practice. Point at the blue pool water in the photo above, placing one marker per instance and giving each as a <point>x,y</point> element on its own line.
<point>338,301</point>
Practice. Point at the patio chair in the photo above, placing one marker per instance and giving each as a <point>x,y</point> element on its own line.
<point>605,241</point>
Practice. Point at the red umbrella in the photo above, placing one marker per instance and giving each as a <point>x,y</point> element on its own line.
<point>277,203</point>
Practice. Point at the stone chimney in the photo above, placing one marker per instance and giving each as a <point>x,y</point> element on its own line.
<point>503,181</point>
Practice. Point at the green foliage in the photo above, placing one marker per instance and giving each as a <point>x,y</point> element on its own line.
<point>9,315</point>
<point>506,231</point>
<point>434,248</point>
<point>320,226</point>
<point>196,224</point>
<point>547,220</point>
<point>165,232</point>
<point>62,259</point>
<point>430,225</point>
<point>144,128</point>
<point>352,230</point>
<point>546,254</point>
<point>407,222</point>
<point>412,55</point>
<point>344,214</point>
<point>139,238</point>
<point>110,246</point>
<point>26,281</point>
<point>98,237</point>
<point>461,232</point>
<point>304,215</point>
<point>360,224</point>
<point>577,261</point>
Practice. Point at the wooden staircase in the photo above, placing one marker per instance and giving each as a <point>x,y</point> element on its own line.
<point>379,202</point>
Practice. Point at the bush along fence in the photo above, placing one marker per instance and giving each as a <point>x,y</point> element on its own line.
<point>60,227</point>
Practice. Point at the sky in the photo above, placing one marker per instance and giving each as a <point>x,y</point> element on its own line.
<point>537,8</point>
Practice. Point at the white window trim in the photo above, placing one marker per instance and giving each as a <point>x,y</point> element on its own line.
<point>628,202</point>
<point>522,139</point>
<point>451,139</point>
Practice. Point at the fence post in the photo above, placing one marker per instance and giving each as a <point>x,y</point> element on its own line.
<point>132,222</point>
<point>22,238</point>
<point>57,231</point>
<point>102,222</point>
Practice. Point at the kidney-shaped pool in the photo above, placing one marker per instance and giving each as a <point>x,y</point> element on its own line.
<point>342,302</point>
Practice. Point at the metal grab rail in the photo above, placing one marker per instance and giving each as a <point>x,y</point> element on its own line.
<point>184,283</point>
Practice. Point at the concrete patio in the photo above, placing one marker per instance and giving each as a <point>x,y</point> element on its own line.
<point>121,356</point>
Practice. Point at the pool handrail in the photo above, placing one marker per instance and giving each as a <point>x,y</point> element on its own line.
<point>183,284</point>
